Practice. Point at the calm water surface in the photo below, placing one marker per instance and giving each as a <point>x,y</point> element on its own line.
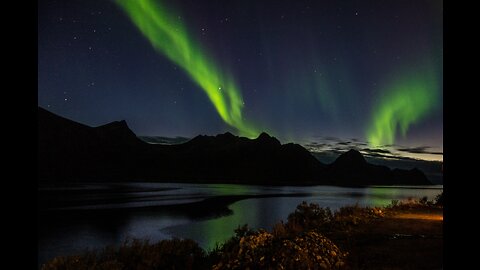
<point>121,211</point>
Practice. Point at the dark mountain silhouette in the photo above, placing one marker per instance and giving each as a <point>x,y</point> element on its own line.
<point>351,167</point>
<point>70,151</point>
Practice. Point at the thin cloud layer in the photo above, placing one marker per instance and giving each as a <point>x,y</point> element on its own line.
<point>335,145</point>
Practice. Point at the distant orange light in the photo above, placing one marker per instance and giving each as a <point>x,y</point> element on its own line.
<point>421,216</point>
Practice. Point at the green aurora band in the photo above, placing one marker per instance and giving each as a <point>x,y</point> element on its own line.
<point>407,101</point>
<point>169,36</point>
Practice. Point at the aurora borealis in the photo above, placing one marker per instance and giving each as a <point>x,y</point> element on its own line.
<point>404,103</point>
<point>170,37</point>
<point>300,70</point>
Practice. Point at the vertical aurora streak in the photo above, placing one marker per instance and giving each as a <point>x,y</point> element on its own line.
<point>169,36</point>
<point>406,102</point>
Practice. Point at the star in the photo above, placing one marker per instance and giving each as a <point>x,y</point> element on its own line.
<point>282,73</point>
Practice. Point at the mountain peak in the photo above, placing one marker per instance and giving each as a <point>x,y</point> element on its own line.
<point>265,138</point>
<point>118,127</point>
<point>264,135</point>
<point>226,135</point>
<point>351,158</point>
<point>115,125</point>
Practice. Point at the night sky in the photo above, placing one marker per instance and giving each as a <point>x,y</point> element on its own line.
<point>302,70</point>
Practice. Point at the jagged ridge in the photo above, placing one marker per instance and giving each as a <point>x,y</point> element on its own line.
<point>70,151</point>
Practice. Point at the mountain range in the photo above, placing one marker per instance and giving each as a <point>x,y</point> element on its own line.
<point>69,152</point>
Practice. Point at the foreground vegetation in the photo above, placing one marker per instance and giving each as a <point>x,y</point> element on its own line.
<point>312,238</point>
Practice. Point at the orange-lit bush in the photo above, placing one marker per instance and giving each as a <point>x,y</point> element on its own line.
<point>412,203</point>
<point>263,250</point>
<point>312,216</point>
<point>309,216</point>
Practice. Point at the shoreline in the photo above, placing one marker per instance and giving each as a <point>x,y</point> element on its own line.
<point>210,206</point>
<point>200,206</point>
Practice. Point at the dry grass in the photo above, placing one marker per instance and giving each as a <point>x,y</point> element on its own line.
<point>166,254</point>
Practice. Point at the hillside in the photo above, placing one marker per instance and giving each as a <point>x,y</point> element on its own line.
<point>69,151</point>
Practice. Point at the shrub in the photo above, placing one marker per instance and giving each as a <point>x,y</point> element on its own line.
<point>349,216</point>
<point>412,203</point>
<point>394,203</point>
<point>309,216</point>
<point>166,254</point>
<point>439,199</point>
<point>262,250</point>
<point>424,201</point>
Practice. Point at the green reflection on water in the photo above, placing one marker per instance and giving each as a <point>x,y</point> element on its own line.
<point>229,189</point>
<point>380,196</point>
<point>217,231</point>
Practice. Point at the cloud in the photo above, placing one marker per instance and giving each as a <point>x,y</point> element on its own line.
<point>389,157</point>
<point>327,138</point>
<point>419,150</point>
<point>377,150</point>
<point>334,145</point>
<point>344,143</point>
<point>337,146</point>
<point>316,144</point>
<point>164,140</point>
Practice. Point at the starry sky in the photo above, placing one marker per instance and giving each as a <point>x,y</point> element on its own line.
<point>362,72</point>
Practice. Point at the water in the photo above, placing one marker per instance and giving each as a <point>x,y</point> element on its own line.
<point>92,216</point>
